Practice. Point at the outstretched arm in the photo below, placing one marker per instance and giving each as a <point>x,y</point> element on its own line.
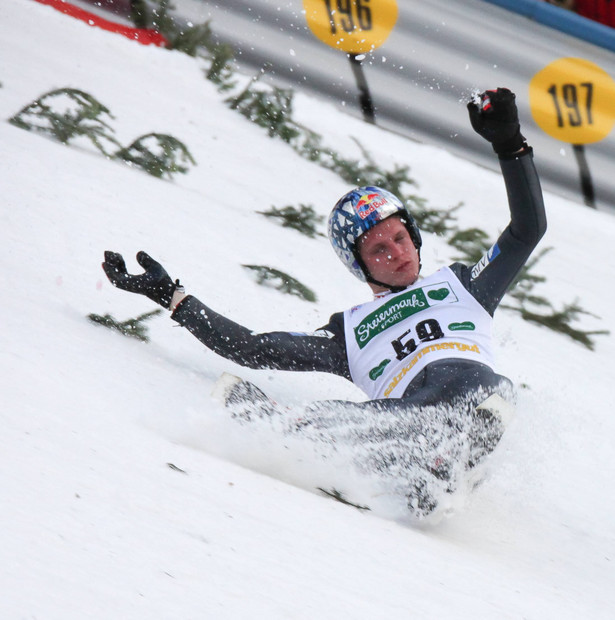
<point>323,350</point>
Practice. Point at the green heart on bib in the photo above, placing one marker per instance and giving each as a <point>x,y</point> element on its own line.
<point>438,294</point>
<point>465,326</point>
<point>374,373</point>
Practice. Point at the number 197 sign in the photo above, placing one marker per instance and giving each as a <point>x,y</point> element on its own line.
<point>352,26</point>
<point>572,100</point>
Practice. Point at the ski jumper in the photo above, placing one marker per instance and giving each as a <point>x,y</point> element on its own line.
<point>425,345</point>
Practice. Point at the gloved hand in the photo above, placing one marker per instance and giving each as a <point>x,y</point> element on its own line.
<point>155,283</point>
<point>494,117</point>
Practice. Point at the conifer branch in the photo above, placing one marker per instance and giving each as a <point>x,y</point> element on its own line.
<point>268,276</point>
<point>133,328</point>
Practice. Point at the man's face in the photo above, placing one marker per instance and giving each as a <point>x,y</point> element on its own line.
<point>389,254</point>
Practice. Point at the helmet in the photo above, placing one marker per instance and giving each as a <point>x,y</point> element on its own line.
<point>358,211</point>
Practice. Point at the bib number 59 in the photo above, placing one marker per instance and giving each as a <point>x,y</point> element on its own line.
<point>425,331</point>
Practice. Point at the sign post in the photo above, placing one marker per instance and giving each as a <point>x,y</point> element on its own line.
<point>572,100</point>
<point>355,27</point>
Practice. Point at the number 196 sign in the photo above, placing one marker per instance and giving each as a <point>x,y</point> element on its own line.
<point>352,26</point>
<point>572,100</point>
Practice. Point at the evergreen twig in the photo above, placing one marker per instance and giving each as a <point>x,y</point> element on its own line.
<point>268,276</point>
<point>561,321</point>
<point>338,496</point>
<point>268,108</point>
<point>305,219</point>
<point>196,40</point>
<point>133,328</point>
<point>67,113</point>
<point>158,154</point>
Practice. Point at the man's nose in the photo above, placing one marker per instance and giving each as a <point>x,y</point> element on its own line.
<point>393,251</point>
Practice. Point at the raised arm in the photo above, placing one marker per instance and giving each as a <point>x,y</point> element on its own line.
<point>494,116</point>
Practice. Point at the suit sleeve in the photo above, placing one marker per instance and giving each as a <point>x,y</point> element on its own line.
<point>323,350</point>
<point>490,278</point>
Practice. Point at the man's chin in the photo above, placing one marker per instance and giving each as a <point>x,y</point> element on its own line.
<point>397,281</point>
<point>402,283</point>
<point>406,281</point>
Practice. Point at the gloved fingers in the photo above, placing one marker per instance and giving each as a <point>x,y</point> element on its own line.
<point>500,94</point>
<point>154,282</point>
<point>490,100</point>
<point>500,103</point>
<point>114,261</point>
<point>146,261</point>
<point>114,267</point>
<point>494,116</point>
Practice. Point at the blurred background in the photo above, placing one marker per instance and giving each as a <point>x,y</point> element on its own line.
<point>420,78</point>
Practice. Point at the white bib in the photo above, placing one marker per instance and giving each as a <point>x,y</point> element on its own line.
<point>391,339</point>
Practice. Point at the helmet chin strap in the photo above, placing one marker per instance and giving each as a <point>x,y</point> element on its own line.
<point>391,287</point>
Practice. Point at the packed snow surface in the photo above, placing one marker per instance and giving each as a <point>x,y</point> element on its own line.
<point>127,492</point>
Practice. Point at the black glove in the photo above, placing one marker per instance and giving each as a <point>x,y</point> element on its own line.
<point>495,118</point>
<point>155,283</point>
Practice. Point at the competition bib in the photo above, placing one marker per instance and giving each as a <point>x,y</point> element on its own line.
<point>391,339</point>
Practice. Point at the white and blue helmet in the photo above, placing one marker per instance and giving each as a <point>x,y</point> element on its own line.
<point>357,212</point>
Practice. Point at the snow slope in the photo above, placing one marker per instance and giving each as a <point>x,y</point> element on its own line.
<point>94,521</point>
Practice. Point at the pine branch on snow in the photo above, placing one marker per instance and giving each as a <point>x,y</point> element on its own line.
<point>158,154</point>
<point>68,113</point>
<point>268,276</point>
<point>133,328</point>
<point>305,219</point>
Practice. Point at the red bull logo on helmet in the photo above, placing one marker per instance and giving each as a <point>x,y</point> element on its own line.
<point>368,203</point>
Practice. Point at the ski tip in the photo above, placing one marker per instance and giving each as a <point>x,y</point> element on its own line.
<point>499,407</point>
<point>223,385</point>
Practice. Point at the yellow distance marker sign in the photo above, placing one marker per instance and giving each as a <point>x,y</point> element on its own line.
<point>572,100</point>
<point>352,26</point>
